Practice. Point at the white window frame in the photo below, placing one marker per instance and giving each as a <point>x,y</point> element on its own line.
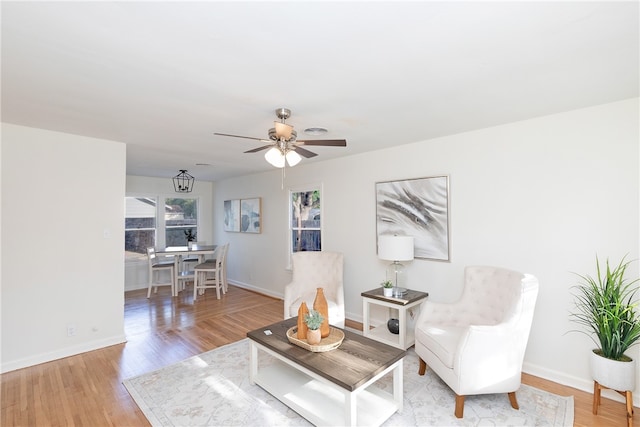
<point>290,228</point>
<point>160,229</point>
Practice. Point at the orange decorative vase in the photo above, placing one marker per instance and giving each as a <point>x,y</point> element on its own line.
<point>302,326</point>
<point>313,336</point>
<point>320,305</point>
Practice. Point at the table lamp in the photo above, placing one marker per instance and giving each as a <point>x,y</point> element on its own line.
<point>396,248</point>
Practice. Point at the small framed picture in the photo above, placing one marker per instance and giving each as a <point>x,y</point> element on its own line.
<point>232,215</point>
<point>250,216</point>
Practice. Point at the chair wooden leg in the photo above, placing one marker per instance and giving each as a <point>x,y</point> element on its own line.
<point>423,367</point>
<point>459,406</point>
<point>513,400</point>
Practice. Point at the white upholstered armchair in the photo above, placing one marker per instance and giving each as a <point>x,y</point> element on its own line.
<point>477,344</point>
<point>312,270</point>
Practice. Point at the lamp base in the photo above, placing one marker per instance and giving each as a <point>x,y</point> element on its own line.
<point>399,292</point>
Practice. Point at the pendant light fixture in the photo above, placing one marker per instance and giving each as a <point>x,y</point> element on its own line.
<point>183,182</point>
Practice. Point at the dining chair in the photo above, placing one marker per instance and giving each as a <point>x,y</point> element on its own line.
<point>185,276</point>
<point>190,259</point>
<point>210,274</point>
<point>156,267</point>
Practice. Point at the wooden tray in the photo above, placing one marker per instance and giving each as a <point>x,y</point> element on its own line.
<point>328,343</point>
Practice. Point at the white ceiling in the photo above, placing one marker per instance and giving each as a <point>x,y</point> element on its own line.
<point>164,76</point>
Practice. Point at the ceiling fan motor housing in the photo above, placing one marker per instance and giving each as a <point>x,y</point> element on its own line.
<point>283,113</point>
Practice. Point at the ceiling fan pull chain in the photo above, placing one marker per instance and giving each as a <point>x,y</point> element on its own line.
<point>282,181</point>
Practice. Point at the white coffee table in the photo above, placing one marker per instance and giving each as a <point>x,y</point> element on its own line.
<point>328,388</point>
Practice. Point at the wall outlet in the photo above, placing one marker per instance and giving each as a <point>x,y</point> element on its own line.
<point>71,329</point>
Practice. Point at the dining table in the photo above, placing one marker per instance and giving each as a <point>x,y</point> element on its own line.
<point>178,252</point>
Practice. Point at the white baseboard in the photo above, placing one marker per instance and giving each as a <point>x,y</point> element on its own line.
<point>61,353</point>
<point>571,381</point>
<point>262,291</point>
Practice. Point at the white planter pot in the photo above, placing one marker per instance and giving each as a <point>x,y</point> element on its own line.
<point>613,374</point>
<point>387,292</point>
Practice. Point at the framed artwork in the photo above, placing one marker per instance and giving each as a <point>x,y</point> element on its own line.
<point>250,219</point>
<point>416,207</point>
<point>232,215</point>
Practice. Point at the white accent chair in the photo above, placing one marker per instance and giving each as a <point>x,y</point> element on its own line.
<point>156,267</point>
<point>313,270</point>
<point>477,344</point>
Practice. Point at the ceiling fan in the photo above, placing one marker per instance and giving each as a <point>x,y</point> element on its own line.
<point>283,143</point>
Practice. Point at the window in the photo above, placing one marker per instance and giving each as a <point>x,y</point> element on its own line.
<point>144,223</point>
<point>305,220</point>
<point>181,218</point>
<point>139,226</point>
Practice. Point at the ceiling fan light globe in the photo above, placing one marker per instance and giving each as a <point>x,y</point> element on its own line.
<point>293,158</point>
<point>274,157</point>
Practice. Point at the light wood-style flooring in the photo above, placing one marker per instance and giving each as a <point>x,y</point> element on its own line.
<point>87,390</point>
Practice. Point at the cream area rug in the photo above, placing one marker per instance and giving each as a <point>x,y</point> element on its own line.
<point>213,389</point>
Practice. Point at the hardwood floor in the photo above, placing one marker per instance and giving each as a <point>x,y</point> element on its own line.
<point>87,390</point>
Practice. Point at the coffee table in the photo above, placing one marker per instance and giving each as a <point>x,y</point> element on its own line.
<point>328,388</point>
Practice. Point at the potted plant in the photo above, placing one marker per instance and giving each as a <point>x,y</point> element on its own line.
<point>314,320</point>
<point>191,237</point>
<point>605,306</point>
<point>387,288</point>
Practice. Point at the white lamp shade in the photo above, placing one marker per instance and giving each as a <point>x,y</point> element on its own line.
<point>293,158</point>
<point>395,248</point>
<point>275,157</point>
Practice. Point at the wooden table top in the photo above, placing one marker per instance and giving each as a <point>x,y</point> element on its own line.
<point>409,297</point>
<point>356,361</point>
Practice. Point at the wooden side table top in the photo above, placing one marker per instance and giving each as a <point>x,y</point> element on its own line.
<point>356,361</point>
<point>408,298</point>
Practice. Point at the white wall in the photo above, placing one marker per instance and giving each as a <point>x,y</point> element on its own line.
<point>542,196</point>
<point>62,245</point>
<point>136,272</point>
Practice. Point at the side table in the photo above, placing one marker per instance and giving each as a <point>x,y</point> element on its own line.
<point>410,302</point>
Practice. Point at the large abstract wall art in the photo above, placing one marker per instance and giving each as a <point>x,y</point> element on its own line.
<point>419,208</point>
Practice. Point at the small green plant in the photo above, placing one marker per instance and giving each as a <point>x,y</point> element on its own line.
<point>191,236</point>
<point>387,284</point>
<point>313,319</point>
<point>605,306</point>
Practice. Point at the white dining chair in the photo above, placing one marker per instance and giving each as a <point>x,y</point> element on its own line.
<point>189,261</point>
<point>156,267</point>
<point>210,274</point>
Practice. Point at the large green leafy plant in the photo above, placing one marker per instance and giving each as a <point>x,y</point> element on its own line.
<point>606,307</point>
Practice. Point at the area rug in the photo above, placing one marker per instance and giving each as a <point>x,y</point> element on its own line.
<point>213,389</point>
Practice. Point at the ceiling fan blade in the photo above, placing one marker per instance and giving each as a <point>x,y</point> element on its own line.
<point>283,130</point>
<point>325,142</point>
<point>240,136</point>
<point>304,153</point>
<point>255,150</point>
